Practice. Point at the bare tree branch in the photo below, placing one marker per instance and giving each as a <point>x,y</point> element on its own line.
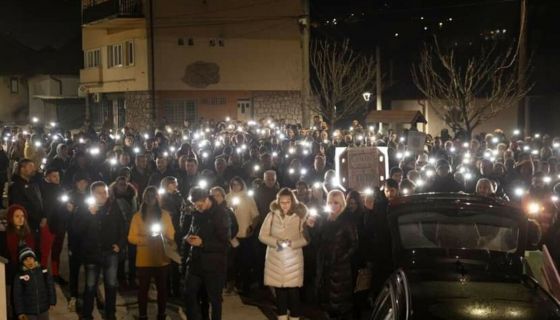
<point>341,76</point>
<point>465,94</point>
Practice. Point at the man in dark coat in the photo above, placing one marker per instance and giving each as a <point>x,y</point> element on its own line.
<point>444,181</point>
<point>207,241</point>
<point>162,170</point>
<point>103,236</point>
<point>56,220</point>
<point>172,202</point>
<point>27,194</point>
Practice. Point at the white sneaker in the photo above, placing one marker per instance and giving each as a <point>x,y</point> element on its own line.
<point>72,305</point>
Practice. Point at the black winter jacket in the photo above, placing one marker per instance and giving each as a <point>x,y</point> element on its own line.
<point>33,292</point>
<point>28,195</point>
<point>212,227</point>
<point>335,283</point>
<point>54,211</point>
<point>99,232</point>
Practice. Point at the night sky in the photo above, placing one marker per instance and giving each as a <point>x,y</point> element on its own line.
<point>41,23</point>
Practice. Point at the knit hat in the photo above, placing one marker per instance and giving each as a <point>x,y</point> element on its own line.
<point>26,252</point>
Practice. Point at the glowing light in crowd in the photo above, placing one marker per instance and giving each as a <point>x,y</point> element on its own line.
<point>519,192</point>
<point>547,179</point>
<point>203,184</point>
<point>452,149</point>
<point>399,155</point>
<point>256,168</point>
<point>53,124</point>
<point>165,154</point>
<point>94,151</point>
<point>155,229</point>
<point>556,145</point>
<point>516,132</point>
<point>44,161</point>
<point>185,138</point>
<point>468,176</point>
<point>327,209</point>
<point>317,185</point>
<point>146,136</point>
<point>250,193</point>
<point>465,144</point>
<point>534,208</point>
<point>275,154</point>
<point>172,149</point>
<point>313,212</point>
<point>429,173</point>
<point>371,128</point>
<point>235,201</point>
<point>405,191</point>
<point>420,182</point>
<point>64,198</point>
<point>35,119</point>
<point>205,154</point>
<point>136,150</point>
<point>432,161</point>
<point>90,201</point>
<point>303,171</point>
<point>228,119</point>
<point>537,135</point>
<point>291,171</point>
<point>495,140</point>
<point>534,152</point>
<point>113,161</point>
<point>401,139</point>
<point>37,144</point>
<point>161,191</point>
<point>554,198</point>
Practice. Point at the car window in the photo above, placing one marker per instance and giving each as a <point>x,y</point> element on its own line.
<point>465,231</point>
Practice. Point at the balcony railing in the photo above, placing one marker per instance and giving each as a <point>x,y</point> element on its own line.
<point>95,10</point>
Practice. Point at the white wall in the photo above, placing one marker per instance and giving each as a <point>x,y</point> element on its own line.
<point>505,120</point>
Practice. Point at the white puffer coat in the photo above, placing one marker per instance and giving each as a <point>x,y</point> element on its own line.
<point>284,268</point>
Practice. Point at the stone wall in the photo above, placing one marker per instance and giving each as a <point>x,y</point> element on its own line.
<point>139,112</point>
<point>278,104</point>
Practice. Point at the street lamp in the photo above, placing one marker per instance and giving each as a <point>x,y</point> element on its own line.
<point>366,95</point>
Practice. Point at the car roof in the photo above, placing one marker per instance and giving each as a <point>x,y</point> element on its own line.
<point>451,200</point>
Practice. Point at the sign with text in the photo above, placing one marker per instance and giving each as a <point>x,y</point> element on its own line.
<point>360,168</point>
<point>416,141</point>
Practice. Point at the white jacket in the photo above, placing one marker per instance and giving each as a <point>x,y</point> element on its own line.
<point>284,268</point>
<point>246,212</point>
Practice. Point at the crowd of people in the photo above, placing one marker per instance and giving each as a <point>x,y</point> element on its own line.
<point>228,207</point>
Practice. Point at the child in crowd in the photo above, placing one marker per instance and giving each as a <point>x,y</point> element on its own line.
<point>33,288</point>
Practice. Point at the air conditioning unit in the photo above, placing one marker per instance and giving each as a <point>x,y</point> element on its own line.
<point>97,97</point>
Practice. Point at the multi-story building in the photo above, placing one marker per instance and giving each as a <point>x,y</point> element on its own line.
<point>174,60</point>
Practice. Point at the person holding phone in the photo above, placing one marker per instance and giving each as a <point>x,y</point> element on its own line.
<point>103,235</point>
<point>206,245</point>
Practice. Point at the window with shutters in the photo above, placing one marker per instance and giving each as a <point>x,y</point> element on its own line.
<point>115,55</point>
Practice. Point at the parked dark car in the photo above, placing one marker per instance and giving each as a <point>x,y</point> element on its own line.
<point>457,257</point>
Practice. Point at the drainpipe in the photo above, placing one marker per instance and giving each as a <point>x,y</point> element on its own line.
<point>59,93</point>
<point>153,61</point>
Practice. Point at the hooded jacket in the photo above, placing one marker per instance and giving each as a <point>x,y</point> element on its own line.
<point>33,291</point>
<point>284,265</point>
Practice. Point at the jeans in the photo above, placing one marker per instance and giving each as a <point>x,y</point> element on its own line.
<point>75,263</point>
<point>145,274</point>
<point>109,267</point>
<point>288,299</point>
<point>213,283</point>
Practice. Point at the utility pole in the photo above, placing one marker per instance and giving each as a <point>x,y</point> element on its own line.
<point>522,66</point>
<point>378,84</point>
<point>305,86</point>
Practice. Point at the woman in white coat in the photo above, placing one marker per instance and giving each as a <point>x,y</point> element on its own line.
<point>246,214</point>
<point>283,233</point>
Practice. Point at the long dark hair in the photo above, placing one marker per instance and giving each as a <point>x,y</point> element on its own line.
<point>150,195</point>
